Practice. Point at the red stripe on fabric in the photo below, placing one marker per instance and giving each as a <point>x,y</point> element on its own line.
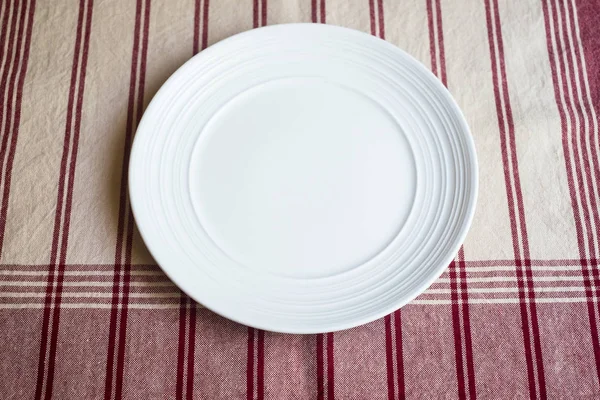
<point>372,17</point>
<point>111,341</point>
<point>507,178</point>
<point>44,339</point>
<point>255,14</point>
<point>260,365</point>
<point>532,262</point>
<point>399,354</point>
<point>381,19</point>
<point>49,288</point>
<point>43,377</point>
<point>53,340</point>
<point>440,35</point>
<point>250,366</point>
<point>320,368</point>
<point>66,141</point>
<point>130,223</point>
<point>112,338</point>
<point>205,24</point>
<point>323,12</point>
<point>571,183</point>
<point>181,347</point>
<point>460,376</point>
<point>69,199</point>
<point>388,356</point>
<point>142,75</point>
<point>128,133</point>
<point>432,42</point>
<point>264,13</point>
<point>330,367</point>
<point>3,30</point>
<point>437,48</point>
<point>313,11</point>
<point>521,210</point>
<point>76,134</point>
<point>191,351</point>
<point>196,43</point>
<point>530,300</point>
<point>467,325</point>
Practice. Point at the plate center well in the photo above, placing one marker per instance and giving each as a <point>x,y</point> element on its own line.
<point>302,178</point>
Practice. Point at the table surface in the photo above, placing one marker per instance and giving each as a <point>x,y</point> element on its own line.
<point>86,313</point>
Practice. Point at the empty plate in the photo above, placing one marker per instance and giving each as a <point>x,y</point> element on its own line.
<point>303,178</point>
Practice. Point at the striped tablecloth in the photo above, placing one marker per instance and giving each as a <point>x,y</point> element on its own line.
<point>85,313</point>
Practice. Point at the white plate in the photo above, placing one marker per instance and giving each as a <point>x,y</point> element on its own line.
<point>303,178</point>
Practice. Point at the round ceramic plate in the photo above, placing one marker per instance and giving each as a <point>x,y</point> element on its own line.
<point>303,178</point>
